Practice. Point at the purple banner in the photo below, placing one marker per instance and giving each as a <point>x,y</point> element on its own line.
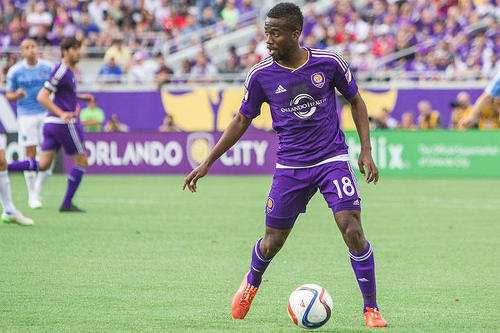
<point>211,109</point>
<point>175,153</point>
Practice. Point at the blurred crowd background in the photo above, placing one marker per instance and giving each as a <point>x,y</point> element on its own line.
<point>154,42</point>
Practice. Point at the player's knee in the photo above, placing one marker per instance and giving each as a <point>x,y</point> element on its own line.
<point>353,233</point>
<point>31,152</point>
<point>44,165</point>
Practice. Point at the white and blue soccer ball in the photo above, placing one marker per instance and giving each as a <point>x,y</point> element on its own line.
<point>310,306</point>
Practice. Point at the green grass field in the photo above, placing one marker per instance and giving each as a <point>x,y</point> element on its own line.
<point>148,257</point>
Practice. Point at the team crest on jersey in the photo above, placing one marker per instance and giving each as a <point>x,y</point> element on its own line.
<point>318,79</point>
<point>270,204</point>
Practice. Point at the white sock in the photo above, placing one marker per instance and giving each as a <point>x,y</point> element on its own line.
<point>41,178</point>
<point>5,194</point>
<point>30,177</point>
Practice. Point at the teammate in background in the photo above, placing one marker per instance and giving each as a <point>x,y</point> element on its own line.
<point>10,213</point>
<point>24,81</point>
<point>299,85</point>
<point>491,92</point>
<point>61,126</point>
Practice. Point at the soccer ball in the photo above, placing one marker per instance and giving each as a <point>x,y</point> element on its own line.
<point>310,306</point>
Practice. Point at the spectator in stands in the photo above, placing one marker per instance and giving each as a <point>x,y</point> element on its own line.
<point>490,116</point>
<point>114,125</point>
<point>110,72</point>
<point>164,73</point>
<point>407,121</point>
<point>230,14</point>
<point>169,125</point>
<point>11,61</point>
<point>120,53</point>
<point>57,35</point>
<point>232,64</point>
<point>461,107</point>
<point>428,118</point>
<point>87,26</point>
<point>207,18</point>
<point>92,117</point>
<point>386,121</point>
<point>143,70</point>
<point>38,18</point>
<point>203,71</point>
<point>41,36</point>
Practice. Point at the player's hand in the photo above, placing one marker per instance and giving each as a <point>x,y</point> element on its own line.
<point>20,93</point>
<point>193,177</point>
<point>67,116</point>
<point>366,160</point>
<point>466,122</point>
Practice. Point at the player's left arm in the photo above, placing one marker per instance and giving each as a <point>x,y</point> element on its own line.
<point>85,97</point>
<point>360,117</point>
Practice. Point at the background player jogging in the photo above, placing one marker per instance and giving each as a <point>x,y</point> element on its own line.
<point>299,85</point>
<point>24,81</point>
<point>61,126</point>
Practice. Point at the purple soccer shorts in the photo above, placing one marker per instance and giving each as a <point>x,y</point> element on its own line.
<point>293,188</point>
<point>69,136</point>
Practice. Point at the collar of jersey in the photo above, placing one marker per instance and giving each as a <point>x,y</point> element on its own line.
<point>295,69</point>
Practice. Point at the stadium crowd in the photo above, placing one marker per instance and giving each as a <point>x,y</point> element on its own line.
<point>452,39</point>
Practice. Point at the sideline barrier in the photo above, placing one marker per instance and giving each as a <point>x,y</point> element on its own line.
<point>400,153</point>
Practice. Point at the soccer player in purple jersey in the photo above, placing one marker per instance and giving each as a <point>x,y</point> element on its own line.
<point>299,85</point>
<point>61,126</point>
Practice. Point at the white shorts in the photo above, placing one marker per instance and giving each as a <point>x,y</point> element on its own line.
<point>3,141</point>
<point>30,129</point>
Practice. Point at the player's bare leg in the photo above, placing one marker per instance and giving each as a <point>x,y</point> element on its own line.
<point>74,180</point>
<point>262,254</point>
<point>10,213</point>
<point>363,264</point>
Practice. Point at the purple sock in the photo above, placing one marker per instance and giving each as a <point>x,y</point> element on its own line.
<point>26,165</point>
<point>258,266</point>
<point>74,179</point>
<point>363,265</point>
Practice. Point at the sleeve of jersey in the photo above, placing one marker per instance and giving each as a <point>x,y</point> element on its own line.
<point>493,89</point>
<point>11,84</point>
<point>344,81</point>
<point>252,100</point>
<point>55,78</point>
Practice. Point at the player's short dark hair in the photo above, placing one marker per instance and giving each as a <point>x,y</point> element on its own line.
<point>70,42</point>
<point>290,12</point>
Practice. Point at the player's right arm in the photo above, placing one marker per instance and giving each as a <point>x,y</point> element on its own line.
<point>51,86</point>
<point>232,134</point>
<point>44,99</point>
<point>250,108</point>
<point>13,92</point>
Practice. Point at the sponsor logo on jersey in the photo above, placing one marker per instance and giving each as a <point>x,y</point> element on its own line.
<point>303,106</point>
<point>280,90</point>
<point>318,79</point>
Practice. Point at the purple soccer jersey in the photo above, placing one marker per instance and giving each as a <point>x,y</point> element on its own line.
<point>312,153</point>
<point>56,132</point>
<point>62,83</point>
<point>303,105</point>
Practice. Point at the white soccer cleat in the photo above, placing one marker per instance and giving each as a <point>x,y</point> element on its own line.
<point>34,202</point>
<point>16,217</point>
